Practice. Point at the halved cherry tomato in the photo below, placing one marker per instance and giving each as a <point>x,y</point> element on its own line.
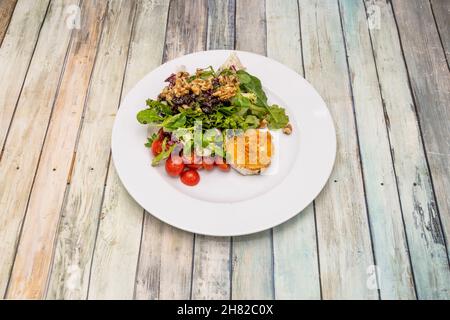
<point>156,147</point>
<point>190,177</point>
<point>174,168</point>
<point>223,166</point>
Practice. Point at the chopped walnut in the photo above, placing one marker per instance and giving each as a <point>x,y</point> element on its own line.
<point>225,92</point>
<point>287,129</point>
<point>263,124</point>
<point>182,74</point>
<point>228,87</point>
<point>198,85</point>
<point>179,86</point>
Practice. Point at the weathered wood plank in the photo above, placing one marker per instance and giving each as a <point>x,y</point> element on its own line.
<point>296,270</point>
<point>6,12</point>
<point>388,234</point>
<point>221,24</point>
<point>15,56</point>
<point>211,277</point>
<point>33,110</point>
<point>345,250</point>
<point>252,267</point>
<point>441,11</point>
<point>430,82</point>
<point>119,235</point>
<point>80,215</point>
<point>35,251</point>
<point>426,246</point>
<point>165,272</point>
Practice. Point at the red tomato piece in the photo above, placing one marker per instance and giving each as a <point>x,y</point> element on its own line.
<point>224,167</point>
<point>190,177</point>
<point>208,166</point>
<point>156,147</point>
<point>174,168</point>
<point>194,166</point>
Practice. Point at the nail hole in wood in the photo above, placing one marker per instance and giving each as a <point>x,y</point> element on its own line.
<point>54,169</point>
<point>335,180</point>
<point>17,168</point>
<point>414,184</point>
<point>382,184</point>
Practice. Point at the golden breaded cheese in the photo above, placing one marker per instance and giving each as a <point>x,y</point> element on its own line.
<point>250,153</point>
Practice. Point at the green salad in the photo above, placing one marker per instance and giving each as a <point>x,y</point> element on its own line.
<point>210,101</point>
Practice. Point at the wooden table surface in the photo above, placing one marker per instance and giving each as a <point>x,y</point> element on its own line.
<point>69,229</point>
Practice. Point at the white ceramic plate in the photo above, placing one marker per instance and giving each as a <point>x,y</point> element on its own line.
<point>229,204</point>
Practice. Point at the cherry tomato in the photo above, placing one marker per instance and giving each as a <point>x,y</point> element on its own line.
<point>194,166</point>
<point>156,147</point>
<point>224,167</point>
<point>190,177</point>
<point>174,168</point>
<point>208,166</point>
<point>190,162</point>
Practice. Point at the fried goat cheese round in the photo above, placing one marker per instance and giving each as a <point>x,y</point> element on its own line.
<point>250,152</point>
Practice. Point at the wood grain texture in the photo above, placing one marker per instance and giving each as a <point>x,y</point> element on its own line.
<point>211,276</point>
<point>19,160</point>
<point>426,246</point>
<point>187,28</point>
<point>430,83</point>
<point>117,248</point>
<point>345,251</point>
<point>386,221</point>
<point>296,270</point>
<point>6,11</point>
<point>221,17</point>
<point>80,214</point>
<point>34,254</point>
<point>252,265</point>
<point>15,56</point>
<point>441,12</point>
<point>168,273</point>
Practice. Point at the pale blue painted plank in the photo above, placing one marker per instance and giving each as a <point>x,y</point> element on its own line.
<point>296,270</point>
<point>423,230</point>
<point>345,251</point>
<point>389,240</point>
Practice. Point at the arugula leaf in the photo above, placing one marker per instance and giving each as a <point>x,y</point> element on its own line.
<point>174,122</point>
<point>277,117</point>
<point>148,116</point>
<point>155,113</point>
<point>160,107</point>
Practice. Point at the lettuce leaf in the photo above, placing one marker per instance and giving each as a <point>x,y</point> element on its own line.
<point>277,117</point>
